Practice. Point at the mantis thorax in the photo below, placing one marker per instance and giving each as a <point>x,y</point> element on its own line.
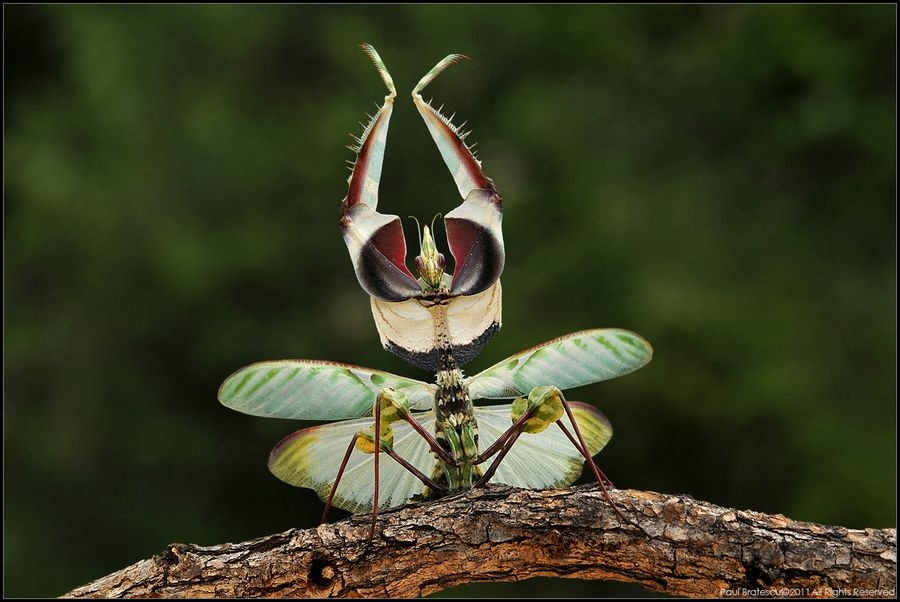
<point>456,429</point>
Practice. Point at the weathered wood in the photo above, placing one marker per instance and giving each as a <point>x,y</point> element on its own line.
<point>505,534</point>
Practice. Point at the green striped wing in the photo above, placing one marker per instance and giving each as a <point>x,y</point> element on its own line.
<point>315,390</point>
<point>573,360</point>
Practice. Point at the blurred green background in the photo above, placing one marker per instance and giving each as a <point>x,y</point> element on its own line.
<point>720,179</point>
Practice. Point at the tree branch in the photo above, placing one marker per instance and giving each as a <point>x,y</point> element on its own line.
<point>504,534</point>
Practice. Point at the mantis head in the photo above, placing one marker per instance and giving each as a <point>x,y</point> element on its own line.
<point>429,262</point>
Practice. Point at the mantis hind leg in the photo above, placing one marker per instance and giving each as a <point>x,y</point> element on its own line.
<point>534,414</point>
<point>601,478</point>
<point>390,406</point>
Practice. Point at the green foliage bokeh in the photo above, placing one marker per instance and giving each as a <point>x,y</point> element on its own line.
<point>720,179</point>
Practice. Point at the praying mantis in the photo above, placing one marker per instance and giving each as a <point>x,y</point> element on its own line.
<point>438,441</point>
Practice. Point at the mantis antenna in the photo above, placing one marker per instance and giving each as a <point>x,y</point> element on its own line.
<point>419,227</point>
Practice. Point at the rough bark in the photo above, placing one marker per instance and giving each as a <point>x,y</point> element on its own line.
<point>690,548</point>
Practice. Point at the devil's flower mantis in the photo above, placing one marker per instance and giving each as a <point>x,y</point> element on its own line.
<point>439,442</point>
